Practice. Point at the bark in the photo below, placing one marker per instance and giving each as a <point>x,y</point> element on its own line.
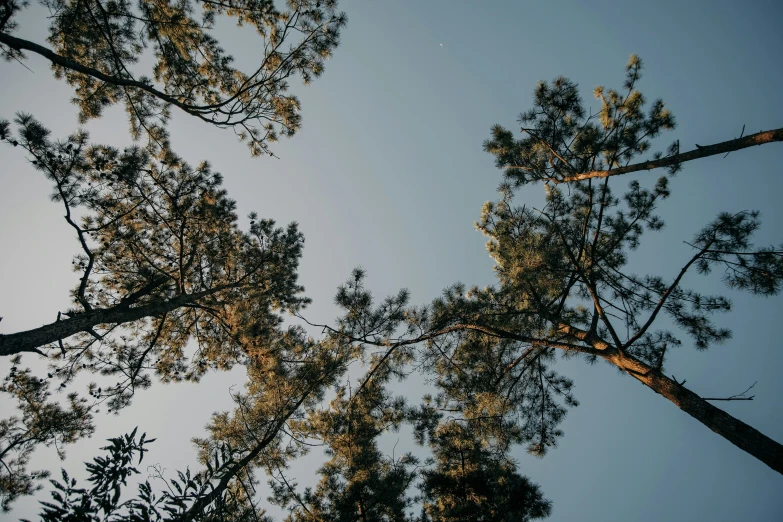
<point>31,340</point>
<point>730,428</point>
<point>760,138</point>
<point>24,45</point>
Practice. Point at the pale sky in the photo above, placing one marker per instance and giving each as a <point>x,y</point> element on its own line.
<point>388,173</point>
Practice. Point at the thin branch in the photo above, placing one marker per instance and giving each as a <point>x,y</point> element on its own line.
<point>664,297</point>
<point>737,397</point>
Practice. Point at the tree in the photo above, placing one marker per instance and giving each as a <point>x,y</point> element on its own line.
<point>96,47</point>
<point>287,376</point>
<point>163,263</point>
<point>280,416</point>
<point>563,278</point>
<point>564,284</point>
<point>169,285</point>
<point>476,481</point>
<point>469,482</point>
<point>161,249</point>
<point>110,474</point>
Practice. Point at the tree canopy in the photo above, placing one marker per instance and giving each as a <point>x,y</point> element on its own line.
<point>101,48</point>
<point>562,142</point>
<point>170,287</point>
<point>564,280</point>
<point>565,284</point>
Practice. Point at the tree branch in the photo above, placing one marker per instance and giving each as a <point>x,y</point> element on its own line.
<point>737,397</point>
<point>760,138</point>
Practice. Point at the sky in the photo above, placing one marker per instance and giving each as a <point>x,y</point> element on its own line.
<point>388,173</point>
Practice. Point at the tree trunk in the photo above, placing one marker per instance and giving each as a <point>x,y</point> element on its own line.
<point>734,430</point>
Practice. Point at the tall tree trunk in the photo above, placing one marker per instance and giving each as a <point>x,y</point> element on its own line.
<point>732,429</point>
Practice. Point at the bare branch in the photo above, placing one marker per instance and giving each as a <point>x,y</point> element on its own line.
<point>737,397</point>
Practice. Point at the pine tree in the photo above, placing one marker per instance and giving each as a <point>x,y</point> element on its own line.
<point>358,482</point>
<point>564,284</point>
<point>161,253</point>
<point>287,377</point>
<point>169,287</point>
<point>475,480</point>
<point>97,47</point>
<point>280,416</point>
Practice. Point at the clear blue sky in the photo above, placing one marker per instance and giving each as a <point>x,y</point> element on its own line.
<point>388,173</point>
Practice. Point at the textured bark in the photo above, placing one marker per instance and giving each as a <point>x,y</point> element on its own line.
<point>760,138</point>
<point>732,429</point>
<point>31,340</point>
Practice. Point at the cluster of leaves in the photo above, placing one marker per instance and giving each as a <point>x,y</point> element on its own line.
<point>358,482</point>
<point>476,481</point>
<point>97,44</point>
<point>109,475</point>
<point>562,139</point>
<point>39,420</point>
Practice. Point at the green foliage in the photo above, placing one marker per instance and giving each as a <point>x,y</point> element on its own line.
<point>109,475</point>
<point>38,421</point>
<point>357,482</point>
<point>563,139</point>
<point>564,283</point>
<point>472,481</point>
<point>161,250</point>
<point>280,416</point>
<point>169,286</point>
<point>97,46</point>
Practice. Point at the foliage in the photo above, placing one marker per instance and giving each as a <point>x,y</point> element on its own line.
<point>161,250</point>
<point>98,47</point>
<point>357,482</point>
<point>564,282</point>
<point>288,377</point>
<point>476,481</point>
<point>169,286</point>
<point>38,421</point>
<point>110,474</point>
<point>280,416</point>
<point>562,138</point>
